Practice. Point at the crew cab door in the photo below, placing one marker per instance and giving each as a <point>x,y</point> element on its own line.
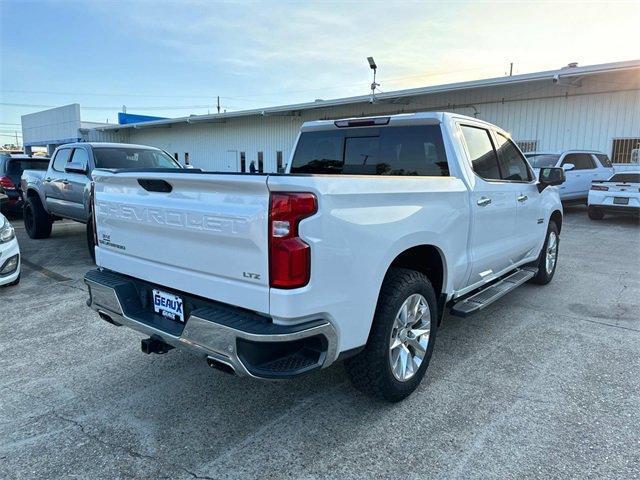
<point>493,243</point>
<point>76,181</point>
<point>54,183</point>
<point>578,179</point>
<point>515,170</point>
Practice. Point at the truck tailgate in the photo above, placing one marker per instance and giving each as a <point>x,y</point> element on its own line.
<point>206,236</point>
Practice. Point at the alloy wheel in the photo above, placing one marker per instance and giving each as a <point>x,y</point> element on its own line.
<point>409,337</point>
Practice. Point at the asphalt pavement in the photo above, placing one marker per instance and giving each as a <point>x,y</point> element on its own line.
<point>545,383</point>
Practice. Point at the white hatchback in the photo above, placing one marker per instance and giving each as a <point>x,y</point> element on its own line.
<point>618,194</point>
<point>581,168</point>
<point>9,254</point>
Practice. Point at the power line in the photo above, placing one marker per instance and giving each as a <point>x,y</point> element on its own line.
<point>113,107</point>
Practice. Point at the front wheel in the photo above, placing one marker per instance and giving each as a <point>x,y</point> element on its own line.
<point>401,340</point>
<point>548,258</point>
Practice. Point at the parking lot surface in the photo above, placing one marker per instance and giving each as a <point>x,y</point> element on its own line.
<point>543,384</point>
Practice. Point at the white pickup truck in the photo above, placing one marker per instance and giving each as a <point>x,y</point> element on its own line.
<point>378,226</point>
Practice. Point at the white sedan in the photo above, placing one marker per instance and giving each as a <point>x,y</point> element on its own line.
<point>581,168</point>
<point>618,194</point>
<point>9,254</point>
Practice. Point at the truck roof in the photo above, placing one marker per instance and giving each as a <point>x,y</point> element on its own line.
<point>560,152</point>
<point>418,118</point>
<point>109,145</point>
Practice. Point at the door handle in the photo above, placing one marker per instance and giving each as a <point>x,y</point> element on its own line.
<point>65,182</point>
<point>484,201</point>
<point>47,180</point>
<point>522,198</point>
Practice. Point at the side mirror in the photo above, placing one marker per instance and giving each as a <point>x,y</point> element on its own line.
<point>76,167</point>
<point>550,176</point>
<point>568,166</point>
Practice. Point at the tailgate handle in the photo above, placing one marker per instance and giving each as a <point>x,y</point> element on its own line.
<point>153,185</point>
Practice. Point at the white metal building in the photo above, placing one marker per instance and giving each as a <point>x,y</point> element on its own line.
<point>594,107</point>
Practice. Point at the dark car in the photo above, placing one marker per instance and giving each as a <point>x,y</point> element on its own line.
<point>11,168</point>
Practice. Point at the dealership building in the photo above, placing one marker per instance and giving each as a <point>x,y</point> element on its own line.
<point>575,107</point>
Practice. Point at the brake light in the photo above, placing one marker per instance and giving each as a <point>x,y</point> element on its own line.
<point>599,187</point>
<point>289,256</point>
<point>6,183</point>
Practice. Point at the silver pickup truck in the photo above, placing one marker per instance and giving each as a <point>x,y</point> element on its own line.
<point>62,191</point>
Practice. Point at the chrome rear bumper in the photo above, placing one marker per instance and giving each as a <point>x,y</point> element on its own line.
<point>248,343</point>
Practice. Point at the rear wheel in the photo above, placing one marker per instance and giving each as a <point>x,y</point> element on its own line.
<point>401,340</point>
<point>595,213</point>
<point>37,222</point>
<point>548,258</point>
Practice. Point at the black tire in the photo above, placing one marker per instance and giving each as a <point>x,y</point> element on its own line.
<point>370,371</point>
<point>595,213</point>
<point>37,222</point>
<point>91,244</point>
<point>544,276</point>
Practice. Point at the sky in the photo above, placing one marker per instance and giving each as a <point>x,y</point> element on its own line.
<point>175,58</point>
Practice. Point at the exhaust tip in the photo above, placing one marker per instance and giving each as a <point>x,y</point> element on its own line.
<point>219,365</point>
<point>107,318</point>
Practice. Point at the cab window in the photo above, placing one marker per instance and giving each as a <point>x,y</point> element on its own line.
<point>61,160</point>
<point>513,166</point>
<point>581,161</point>
<point>80,156</point>
<point>484,159</point>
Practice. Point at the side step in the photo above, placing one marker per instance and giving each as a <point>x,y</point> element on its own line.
<point>492,292</point>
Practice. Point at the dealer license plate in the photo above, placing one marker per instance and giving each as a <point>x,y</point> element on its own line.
<point>621,200</point>
<point>168,305</point>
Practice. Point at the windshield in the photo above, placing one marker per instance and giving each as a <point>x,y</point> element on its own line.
<point>16,167</point>
<point>537,160</point>
<point>121,157</point>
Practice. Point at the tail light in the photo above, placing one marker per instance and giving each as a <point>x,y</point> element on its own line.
<point>599,187</point>
<point>6,183</point>
<point>289,256</point>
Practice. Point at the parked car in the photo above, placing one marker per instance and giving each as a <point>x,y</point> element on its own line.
<point>618,194</point>
<point>62,190</point>
<point>9,254</point>
<point>380,224</point>
<point>581,167</point>
<point>11,168</point>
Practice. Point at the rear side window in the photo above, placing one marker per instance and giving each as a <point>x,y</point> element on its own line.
<point>396,151</point>
<point>513,166</point>
<point>62,157</point>
<point>581,161</point>
<point>626,178</point>
<point>481,152</point>
<point>604,160</point>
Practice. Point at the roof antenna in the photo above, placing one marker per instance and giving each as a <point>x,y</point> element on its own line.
<point>374,67</point>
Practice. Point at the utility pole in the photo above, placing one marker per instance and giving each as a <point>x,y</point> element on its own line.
<point>124,109</point>
<point>218,103</point>
<point>511,69</point>
<point>17,144</point>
